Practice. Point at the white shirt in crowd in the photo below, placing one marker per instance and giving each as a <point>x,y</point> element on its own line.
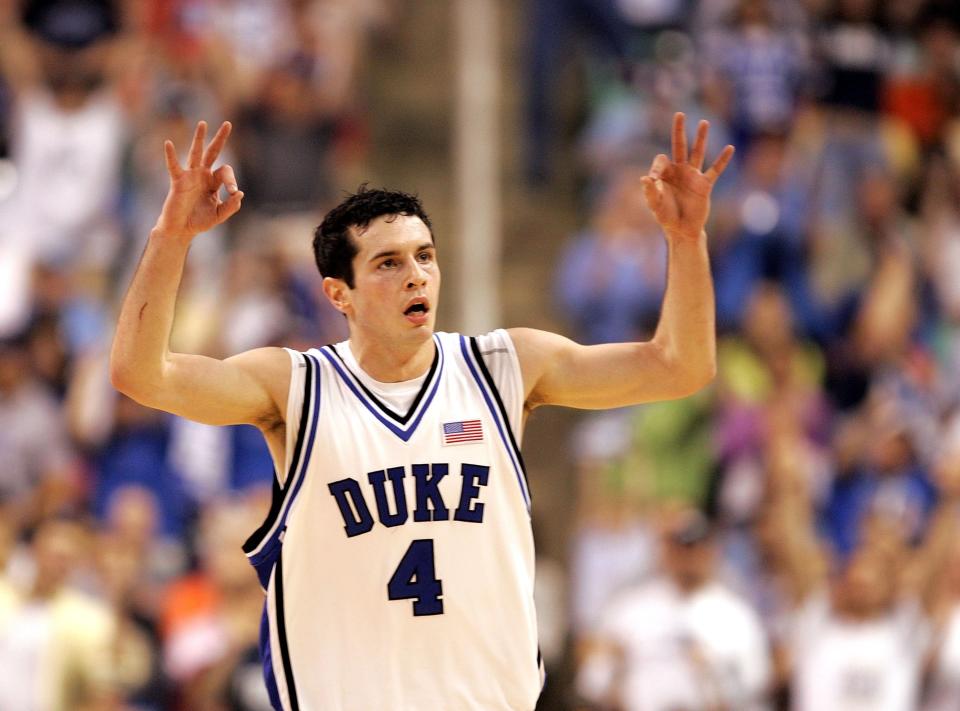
<point>673,651</point>
<point>944,690</point>
<point>68,165</point>
<point>845,665</point>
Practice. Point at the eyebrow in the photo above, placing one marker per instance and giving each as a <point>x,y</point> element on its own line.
<point>394,252</point>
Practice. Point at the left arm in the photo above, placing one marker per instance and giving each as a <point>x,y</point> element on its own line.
<point>681,357</point>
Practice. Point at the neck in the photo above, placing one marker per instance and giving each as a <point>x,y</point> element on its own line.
<point>392,362</point>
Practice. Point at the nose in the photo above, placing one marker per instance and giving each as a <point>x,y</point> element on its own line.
<point>417,275</point>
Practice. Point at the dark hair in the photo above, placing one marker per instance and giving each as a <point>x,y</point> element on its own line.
<point>333,247</point>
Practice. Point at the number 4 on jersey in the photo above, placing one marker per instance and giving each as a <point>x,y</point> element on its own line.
<point>415,578</point>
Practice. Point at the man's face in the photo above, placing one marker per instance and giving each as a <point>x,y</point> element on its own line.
<point>686,549</point>
<point>689,565</point>
<point>396,280</point>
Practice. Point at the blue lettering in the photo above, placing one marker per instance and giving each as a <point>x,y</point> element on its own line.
<point>428,478</point>
<point>346,489</point>
<point>378,479</point>
<point>474,477</point>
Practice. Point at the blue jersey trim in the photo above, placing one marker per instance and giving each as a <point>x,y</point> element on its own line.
<point>400,419</point>
<point>403,434</point>
<point>261,545</point>
<point>282,634</point>
<point>266,657</point>
<point>492,386</point>
<point>507,442</point>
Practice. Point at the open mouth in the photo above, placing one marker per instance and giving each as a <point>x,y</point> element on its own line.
<point>418,308</point>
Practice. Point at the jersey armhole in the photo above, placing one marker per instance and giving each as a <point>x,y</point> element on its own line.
<point>499,357</point>
<point>297,402</point>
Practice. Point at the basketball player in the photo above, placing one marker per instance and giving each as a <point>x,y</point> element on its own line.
<point>397,558</point>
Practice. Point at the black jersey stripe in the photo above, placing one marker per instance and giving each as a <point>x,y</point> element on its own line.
<point>280,493</point>
<point>475,348</point>
<point>282,634</point>
<point>401,419</point>
<point>308,397</point>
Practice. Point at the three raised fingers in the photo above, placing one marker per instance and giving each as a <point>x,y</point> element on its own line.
<point>198,157</point>
<point>697,155</point>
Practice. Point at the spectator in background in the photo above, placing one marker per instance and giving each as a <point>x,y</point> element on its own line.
<point>889,480</point>
<point>285,141</point>
<point>611,278</point>
<point>210,618</point>
<point>768,381</point>
<point>55,642</point>
<point>38,476</point>
<point>853,53</point>
<point>943,688</point>
<point>764,222</point>
<point>550,25</point>
<point>761,66</point>
<point>859,639</point>
<point>67,132</point>
<point>127,581</point>
<point>300,123</point>
<point>940,259</point>
<point>925,93</point>
<point>682,639</point>
<point>136,453</point>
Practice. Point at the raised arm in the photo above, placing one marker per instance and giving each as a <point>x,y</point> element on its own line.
<point>681,357</point>
<point>922,576</point>
<point>249,388</point>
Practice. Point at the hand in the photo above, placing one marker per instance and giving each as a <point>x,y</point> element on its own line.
<point>193,204</point>
<point>677,192</point>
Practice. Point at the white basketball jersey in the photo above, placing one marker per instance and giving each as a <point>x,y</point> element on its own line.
<point>398,554</point>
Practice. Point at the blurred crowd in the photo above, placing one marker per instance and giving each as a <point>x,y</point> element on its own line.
<point>789,537</point>
<point>786,539</point>
<point>122,581</point>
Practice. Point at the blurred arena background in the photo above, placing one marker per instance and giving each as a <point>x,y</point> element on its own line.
<point>786,539</point>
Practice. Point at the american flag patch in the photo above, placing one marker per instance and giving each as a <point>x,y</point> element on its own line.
<point>462,431</point>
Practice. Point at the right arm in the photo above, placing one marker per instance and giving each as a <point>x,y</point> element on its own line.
<point>249,388</point>
<point>800,559</point>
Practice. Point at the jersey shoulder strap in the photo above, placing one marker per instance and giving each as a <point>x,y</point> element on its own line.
<point>303,408</point>
<point>497,356</point>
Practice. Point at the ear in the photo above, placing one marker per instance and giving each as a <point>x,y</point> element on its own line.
<point>338,294</point>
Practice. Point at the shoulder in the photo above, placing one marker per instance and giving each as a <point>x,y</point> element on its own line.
<point>81,615</point>
<point>537,352</point>
<point>649,597</point>
<point>270,367</point>
<point>721,600</point>
<point>267,365</point>
<point>496,343</point>
<point>534,347</point>
<point>263,359</point>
